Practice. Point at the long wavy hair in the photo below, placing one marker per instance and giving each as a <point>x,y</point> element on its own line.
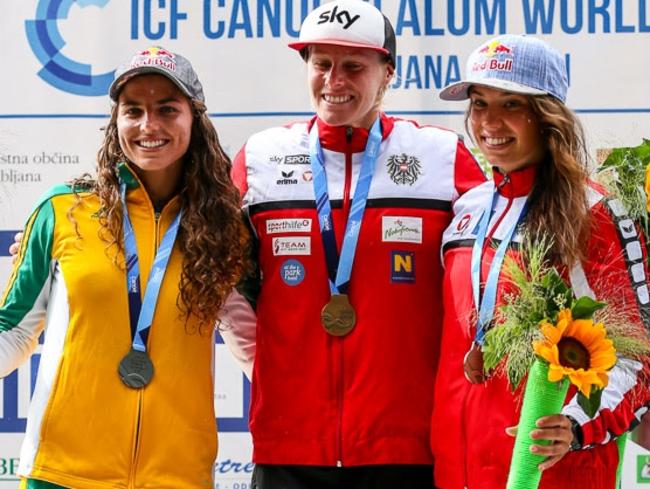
<point>559,208</point>
<point>212,236</point>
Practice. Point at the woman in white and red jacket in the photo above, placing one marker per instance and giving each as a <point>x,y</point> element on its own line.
<point>517,117</point>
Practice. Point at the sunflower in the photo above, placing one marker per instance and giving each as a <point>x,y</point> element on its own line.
<point>576,348</point>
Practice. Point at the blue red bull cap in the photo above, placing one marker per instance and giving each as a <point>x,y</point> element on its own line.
<point>158,60</point>
<point>514,63</point>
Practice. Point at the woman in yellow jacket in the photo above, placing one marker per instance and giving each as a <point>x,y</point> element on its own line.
<point>126,273</point>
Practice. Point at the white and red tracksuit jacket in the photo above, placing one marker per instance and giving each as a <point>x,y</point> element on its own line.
<point>364,398</point>
<point>470,446</point>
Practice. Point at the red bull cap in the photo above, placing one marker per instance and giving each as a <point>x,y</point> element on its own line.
<point>158,60</point>
<point>352,23</point>
<point>514,63</point>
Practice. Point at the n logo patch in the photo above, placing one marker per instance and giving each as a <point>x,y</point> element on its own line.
<point>402,266</point>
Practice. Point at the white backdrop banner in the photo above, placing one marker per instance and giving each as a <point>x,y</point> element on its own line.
<point>58,58</point>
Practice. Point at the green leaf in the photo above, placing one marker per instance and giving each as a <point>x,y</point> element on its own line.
<point>590,404</point>
<point>584,307</point>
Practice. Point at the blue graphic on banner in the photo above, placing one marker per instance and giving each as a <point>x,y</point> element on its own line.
<point>46,42</point>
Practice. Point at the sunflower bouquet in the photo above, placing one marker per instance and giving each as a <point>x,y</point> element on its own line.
<point>554,339</point>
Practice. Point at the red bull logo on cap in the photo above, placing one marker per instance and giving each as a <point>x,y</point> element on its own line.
<point>494,56</point>
<point>154,56</point>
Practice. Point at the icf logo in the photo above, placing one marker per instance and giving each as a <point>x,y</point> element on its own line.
<point>46,42</point>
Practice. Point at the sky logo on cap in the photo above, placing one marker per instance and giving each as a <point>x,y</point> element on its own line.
<point>495,56</point>
<point>343,17</point>
<point>46,42</point>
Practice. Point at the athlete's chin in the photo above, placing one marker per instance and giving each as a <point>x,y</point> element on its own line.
<point>335,117</point>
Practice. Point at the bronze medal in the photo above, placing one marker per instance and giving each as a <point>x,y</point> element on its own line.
<point>473,365</point>
<point>338,316</point>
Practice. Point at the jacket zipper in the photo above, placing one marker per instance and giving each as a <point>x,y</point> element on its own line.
<point>136,447</point>
<point>345,211</point>
<point>510,198</point>
<point>488,238</point>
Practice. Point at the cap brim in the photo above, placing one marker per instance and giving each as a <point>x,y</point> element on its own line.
<point>460,90</point>
<point>118,83</point>
<point>298,46</point>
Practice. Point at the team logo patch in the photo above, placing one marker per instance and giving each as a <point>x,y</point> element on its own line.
<point>307,176</point>
<point>402,266</point>
<point>404,169</point>
<point>292,272</point>
<point>401,229</point>
<point>275,226</point>
<point>292,246</point>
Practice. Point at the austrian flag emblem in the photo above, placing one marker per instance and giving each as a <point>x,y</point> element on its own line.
<point>404,169</point>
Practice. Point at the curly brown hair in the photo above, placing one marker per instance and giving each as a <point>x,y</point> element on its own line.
<point>558,203</point>
<point>211,236</point>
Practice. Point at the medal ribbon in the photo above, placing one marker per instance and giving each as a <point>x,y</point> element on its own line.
<point>340,268</point>
<point>485,307</point>
<point>141,311</point>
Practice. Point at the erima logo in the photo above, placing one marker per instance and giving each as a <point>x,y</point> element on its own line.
<point>342,17</point>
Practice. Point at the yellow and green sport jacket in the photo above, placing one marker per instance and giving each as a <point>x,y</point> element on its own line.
<point>85,428</point>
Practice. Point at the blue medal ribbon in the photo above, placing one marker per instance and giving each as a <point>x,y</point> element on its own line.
<point>340,267</point>
<point>141,311</point>
<point>485,306</point>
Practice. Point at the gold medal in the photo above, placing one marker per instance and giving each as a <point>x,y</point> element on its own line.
<point>338,316</point>
<point>473,365</point>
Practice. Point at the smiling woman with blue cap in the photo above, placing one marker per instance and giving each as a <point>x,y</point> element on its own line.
<point>516,86</point>
<point>125,274</point>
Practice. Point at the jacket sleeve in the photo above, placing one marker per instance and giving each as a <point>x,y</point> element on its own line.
<point>615,270</point>
<point>237,326</point>
<point>239,172</point>
<point>25,299</point>
<point>467,172</point>
<point>237,319</point>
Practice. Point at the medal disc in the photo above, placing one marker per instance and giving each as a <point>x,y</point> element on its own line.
<point>338,316</point>
<point>136,369</point>
<point>473,365</point>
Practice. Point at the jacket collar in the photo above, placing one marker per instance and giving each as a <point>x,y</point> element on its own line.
<point>137,194</point>
<point>517,183</point>
<point>335,138</point>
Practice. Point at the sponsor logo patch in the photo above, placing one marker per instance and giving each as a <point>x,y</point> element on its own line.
<point>404,169</point>
<point>292,272</point>
<point>397,229</point>
<point>296,159</point>
<point>275,226</point>
<point>288,178</point>
<point>291,246</point>
<point>402,266</point>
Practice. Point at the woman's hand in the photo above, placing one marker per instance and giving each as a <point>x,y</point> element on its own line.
<point>557,430</point>
<point>13,249</point>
